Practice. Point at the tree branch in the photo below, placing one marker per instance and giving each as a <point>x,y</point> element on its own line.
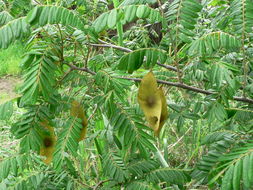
<point>100,183</point>
<point>73,67</point>
<point>167,67</point>
<point>64,76</point>
<point>176,84</point>
<point>112,46</point>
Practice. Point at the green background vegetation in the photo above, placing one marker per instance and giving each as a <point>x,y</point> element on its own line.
<point>10,59</point>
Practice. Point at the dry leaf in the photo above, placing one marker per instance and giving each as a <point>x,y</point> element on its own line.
<point>150,101</point>
<point>164,112</point>
<point>48,144</point>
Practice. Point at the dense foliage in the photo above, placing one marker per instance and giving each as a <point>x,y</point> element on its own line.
<point>95,53</point>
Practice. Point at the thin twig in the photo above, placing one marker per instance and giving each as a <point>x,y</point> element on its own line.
<point>36,2</point>
<point>62,43</point>
<point>81,69</point>
<point>244,61</point>
<point>161,157</point>
<point>100,183</point>
<point>171,146</point>
<point>112,46</point>
<point>161,10</point>
<point>87,57</point>
<point>64,76</point>
<point>176,84</point>
<point>93,113</point>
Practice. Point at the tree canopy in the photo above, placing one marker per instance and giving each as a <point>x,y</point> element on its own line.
<point>131,94</point>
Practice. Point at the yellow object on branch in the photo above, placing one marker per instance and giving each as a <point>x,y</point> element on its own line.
<point>48,142</point>
<point>153,102</point>
<point>164,112</point>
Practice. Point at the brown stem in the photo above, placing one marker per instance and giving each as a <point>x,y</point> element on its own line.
<point>100,183</point>
<point>244,61</point>
<point>64,76</point>
<point>87,57</point>
<point>176,84</point>
<point>112,46</point>
<point>81,69</point>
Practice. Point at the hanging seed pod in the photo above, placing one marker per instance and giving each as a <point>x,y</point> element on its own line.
<point>164,112</point>
<point>150,101</point>
<point>78,111</point>
<point>48,144</point>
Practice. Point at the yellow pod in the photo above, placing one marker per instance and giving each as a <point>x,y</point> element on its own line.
<point>48,144</point>
<point>78,111</point>
<point>164,111</point>
<point>150,100</point>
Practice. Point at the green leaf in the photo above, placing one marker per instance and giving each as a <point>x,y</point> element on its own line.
<point>227,179</point>
<point>28,128</point>
<point>101,22</point>
<point>139,185</point>
<point>141,167</point>
<point>185,38</point>
<point>129,127</point>
<point>130,13</point>
<point>245,172</point>
<point>168,175</point>
<point>124,15</point>
<point>5,17</point>
<point>192,5</point>
<point>112,19</point>
<point>40,74</point>
<point>114,167</point>
<point>45,14</point>
<point>67,141</point>
<point>219,40</point>
<point>241,14</point>
<point>237,175</point>
<point>142,11</point>
<point>147,57</point>
<point>136,2</point>
<point>15,29</point>
<point>10,165</point>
